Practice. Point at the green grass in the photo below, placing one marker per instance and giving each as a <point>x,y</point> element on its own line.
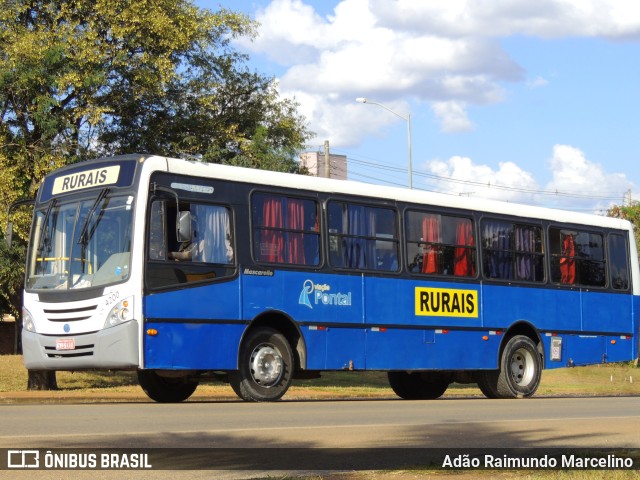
<point>609,379</point>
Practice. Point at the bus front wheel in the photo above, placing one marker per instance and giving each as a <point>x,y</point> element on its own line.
<point>265,366</point>
<point>519,374</point>
<point>164,389</point>
<point>418,385</point>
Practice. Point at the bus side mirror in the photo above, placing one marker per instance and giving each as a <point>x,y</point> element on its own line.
<point>183,227</point>
<point>8,236</point>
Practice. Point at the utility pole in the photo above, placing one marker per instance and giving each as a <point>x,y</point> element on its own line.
<point>327,162</point>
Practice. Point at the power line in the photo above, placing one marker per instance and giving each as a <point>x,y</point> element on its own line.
<point>554,193</point>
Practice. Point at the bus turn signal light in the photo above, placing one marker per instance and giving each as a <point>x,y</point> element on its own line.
<point>152,332</point>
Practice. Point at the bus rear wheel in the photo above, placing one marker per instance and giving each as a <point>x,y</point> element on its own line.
<point>265,366</point>
<point>418,385</point>
<point>164,389</point>
<point>519,374</point>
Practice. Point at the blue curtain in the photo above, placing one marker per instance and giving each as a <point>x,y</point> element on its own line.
<point>525,241</point>
<point>359,221</point>
<point>497,243</point>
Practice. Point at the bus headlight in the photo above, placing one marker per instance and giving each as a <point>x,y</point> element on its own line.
<point>120,313</point>
<point>27,321</point>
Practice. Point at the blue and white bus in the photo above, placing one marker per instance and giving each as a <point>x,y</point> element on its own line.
<point>187,271</point>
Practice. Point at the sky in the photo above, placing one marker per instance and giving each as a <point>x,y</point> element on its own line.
<point>530,102</point>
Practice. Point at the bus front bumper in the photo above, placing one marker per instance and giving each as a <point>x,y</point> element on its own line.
<point>113,348</point>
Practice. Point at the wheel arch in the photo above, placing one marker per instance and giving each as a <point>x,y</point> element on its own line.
<point>526,328</point>
<point>283,323</point>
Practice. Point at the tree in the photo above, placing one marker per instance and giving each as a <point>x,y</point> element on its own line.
<point>79,79</point>
<point>83,79</point>
<point>628,212</point>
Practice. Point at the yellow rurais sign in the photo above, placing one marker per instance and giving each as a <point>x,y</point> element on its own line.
<point>97,177</point>
<point>446,302</point>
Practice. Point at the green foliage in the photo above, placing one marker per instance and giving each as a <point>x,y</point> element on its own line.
<point>86,79</point>
<point>631,213</point>
<point>82,79</point>
<point>11,277</point>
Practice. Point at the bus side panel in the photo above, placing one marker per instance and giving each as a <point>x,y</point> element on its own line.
<point>397,349</point>
<point>391,301</point>
<point>217,301</point>
<point>346,348</point>
<point>335,348</point>
<point>316,343</point>
<point>197,346</point>
<point>584,349</point>
<point>198,328</point>
<point>607,312</point>
<point>620,348</point>
<point>329,307</point>
<point>307,297</point>
<point>545,309</point>
<point>590,349</point>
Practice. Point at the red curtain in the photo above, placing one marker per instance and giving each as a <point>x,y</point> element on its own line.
<point>295,221</point>
<point>431,236</point>
<point>271,246</point>
<point>567,261</point>
<point>278,246</point>
<point>463,264</point>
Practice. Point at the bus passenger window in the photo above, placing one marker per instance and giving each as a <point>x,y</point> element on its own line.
<point>207,255</point>
<point>285,229</point>
<point>619,262</point>
<point>440,244</point>
<point>211,234</point>
<point>577,258</point>
<point>363,237</point>
<point>512,251</point>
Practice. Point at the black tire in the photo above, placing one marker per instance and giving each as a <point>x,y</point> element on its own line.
<point>164,389</point>
<point>519,374</point>
<point>265,366</point>
<point>487,381</point>
<point>418,385</point>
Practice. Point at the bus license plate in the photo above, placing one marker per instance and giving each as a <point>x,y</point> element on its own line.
<point>65,344</point>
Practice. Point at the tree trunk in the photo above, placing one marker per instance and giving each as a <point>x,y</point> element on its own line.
<point>42,380</point>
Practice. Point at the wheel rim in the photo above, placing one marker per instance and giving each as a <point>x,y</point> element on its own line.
<point>266,365</point>
<point>522,367</point>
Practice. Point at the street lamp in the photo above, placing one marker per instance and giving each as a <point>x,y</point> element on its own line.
<point>407,119</point>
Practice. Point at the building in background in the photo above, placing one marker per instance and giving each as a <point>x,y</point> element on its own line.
<point>315,163</point>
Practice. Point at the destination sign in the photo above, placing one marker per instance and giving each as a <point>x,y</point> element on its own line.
<point>446,302</point>
<point>97,177</point>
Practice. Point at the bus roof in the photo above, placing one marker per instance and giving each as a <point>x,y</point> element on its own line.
<point>349,187</point>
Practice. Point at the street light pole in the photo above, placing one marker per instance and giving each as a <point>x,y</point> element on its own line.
<point>406,119</point>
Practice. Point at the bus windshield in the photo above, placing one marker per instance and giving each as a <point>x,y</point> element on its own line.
<point>81,243</point>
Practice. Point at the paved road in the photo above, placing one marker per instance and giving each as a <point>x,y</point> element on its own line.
<point>541,422</point>
<point>377,424</point>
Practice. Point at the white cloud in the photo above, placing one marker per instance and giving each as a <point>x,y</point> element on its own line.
<point>490,18</point>
<point>574,173</point>
<point>452,116</point>
<point>445,54</point>
<point>579,182</point>
<point>459,175</point>
<point>537,82</point>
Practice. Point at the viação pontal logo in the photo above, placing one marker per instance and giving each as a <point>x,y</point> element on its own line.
<point>320,294</point>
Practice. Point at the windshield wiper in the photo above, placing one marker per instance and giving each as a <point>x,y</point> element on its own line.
<point>43,233</point>
<point>83,239</point>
